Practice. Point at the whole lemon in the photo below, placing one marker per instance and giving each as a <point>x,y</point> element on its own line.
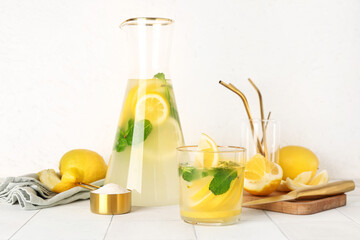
<point>80,166</point>
<point>295,160</point>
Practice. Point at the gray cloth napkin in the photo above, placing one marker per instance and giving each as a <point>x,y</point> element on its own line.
<point>31,194</point>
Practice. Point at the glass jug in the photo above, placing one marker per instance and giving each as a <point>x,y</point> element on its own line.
<point>144,153</point>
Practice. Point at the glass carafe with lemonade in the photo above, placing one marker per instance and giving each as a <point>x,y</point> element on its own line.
<point>148,132</point>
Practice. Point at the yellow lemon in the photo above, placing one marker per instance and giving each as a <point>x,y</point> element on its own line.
<point>295,160</point>
<point>80,166</point>
<point>152,107</point>
<point>209,155</point>
<point>262,176</point>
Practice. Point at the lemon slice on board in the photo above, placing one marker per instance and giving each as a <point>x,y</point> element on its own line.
<point>320,178</point>
<point>303,180</point>
<point>283,187</point>
<point>209,156</point>
<point>152,107</point>
<point>304,177</point>
<point>291,184</point>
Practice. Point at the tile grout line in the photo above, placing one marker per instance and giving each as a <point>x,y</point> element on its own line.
<point>195,232</point>
<point>24,224</point>
<point>350,218</point>
<point>283,233</point>
<point>107,229</point>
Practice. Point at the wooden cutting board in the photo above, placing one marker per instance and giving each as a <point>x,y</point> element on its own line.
<point>298,207</point>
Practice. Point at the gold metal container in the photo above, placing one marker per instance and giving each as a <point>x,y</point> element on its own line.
<point>110,204</point>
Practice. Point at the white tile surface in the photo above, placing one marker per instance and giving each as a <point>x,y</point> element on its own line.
<point>12,219</point>
<point>154,230</point>
<point>353,201</point>
<point>73,221</point>
<point>249,214</point>
<point>353,213</point>
<point>325,216</point>
<point>355,192</point>
<point>150,214</point>
<point>244,230</point>
<point>304,230</point>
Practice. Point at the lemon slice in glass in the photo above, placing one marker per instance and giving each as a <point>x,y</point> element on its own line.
<point>152,107</point>
<point>208,156</point>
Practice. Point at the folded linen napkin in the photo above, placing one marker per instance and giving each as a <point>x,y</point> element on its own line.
<point>31,194</point>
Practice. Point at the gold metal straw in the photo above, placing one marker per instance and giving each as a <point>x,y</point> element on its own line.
<point>266,125</point>
<point>246,104</point>
<point>88,186</point>
<point>262,118</point>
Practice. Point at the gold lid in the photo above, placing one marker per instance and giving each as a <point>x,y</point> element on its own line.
<point>109,204</point>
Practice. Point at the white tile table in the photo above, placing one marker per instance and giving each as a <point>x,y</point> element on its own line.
<point>75,221</point>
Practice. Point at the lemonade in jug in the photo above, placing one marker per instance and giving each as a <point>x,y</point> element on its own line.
<point>143,158</point>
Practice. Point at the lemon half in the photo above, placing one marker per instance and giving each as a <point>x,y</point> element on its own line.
<point>262,176</point>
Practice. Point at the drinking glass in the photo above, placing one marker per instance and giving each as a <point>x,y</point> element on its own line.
<point>211,184</point>
<point>261,136</point>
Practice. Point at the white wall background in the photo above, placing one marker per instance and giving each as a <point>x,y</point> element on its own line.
<point>63,74</point>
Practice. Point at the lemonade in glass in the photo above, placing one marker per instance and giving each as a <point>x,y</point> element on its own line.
<point>211,183</point>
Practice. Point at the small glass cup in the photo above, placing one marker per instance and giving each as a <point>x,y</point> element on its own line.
<point>211,184</point>
<point>255,141</point>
